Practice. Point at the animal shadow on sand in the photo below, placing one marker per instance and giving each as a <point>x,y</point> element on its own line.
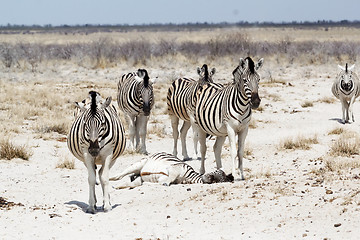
<point>84,206</point>
<point>337,119</point>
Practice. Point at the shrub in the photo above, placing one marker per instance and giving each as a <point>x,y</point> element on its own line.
<point>9,151</point>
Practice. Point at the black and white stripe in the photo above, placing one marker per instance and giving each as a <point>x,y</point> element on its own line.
<point>136,99</point>
<point>226,111</point>
<point>181,100</point>
<point>167,169</point>
<point>346,88</point>
<point>97,138</point>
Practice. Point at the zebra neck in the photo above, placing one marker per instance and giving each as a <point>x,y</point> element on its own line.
<point>191,176</point>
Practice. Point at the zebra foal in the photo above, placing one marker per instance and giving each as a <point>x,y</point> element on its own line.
<point>97,137</point>
<point>136,99</point>
<point>346,88</point>
<point>167,169</point>
<point>181,100</point>
<point>226,111</point>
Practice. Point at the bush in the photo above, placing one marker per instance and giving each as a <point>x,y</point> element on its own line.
<point>9,151</point>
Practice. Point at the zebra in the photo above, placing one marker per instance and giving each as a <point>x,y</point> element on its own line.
<point>226,111</point>
<point>97,137</point>
<point>136,99</point>
<point>181,99</point>
<point>346,88</point>
<point>167,169</point>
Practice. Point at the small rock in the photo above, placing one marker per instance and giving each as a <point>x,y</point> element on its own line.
<point>337,224</point>
<point>328,191</point>
<point>189,189</point>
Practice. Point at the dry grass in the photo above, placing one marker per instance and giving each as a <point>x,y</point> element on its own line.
<point>299,142</point>
<point>66,163</point>
<point>307,104</point>
<point>327,100</point>
<point>348,144</point>
<point>337,131</point>
<point>10,151</point>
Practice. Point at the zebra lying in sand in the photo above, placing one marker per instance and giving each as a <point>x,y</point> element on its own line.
<point>167,169</point>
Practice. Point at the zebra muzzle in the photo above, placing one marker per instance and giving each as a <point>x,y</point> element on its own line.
<point>255,100</point>
<point>94,148</point>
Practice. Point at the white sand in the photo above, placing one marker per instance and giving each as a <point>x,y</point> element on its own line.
<point>280,199</point>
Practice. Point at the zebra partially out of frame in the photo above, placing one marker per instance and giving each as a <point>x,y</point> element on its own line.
<point>346,88</point>
<point>97,138</point>
<point>136,99</point>
<point>167,169</point>
<point>181,100</point>
<point>227,111</point>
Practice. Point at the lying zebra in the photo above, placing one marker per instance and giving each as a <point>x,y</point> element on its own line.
<point>167,169</point>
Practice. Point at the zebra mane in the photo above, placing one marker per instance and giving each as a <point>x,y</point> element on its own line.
<point>93,101</point>
<point>251,64</point>
<point>145,75</point>
<point>206,72</point>
<point>346,67</point>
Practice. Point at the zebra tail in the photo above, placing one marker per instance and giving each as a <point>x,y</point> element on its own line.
<point>133,169</point>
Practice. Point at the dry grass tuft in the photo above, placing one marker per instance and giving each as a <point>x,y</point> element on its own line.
<point>299,142</point>
<point>348,144</point>
<point>66,163</point>
<point>327,100</point>
<point>10,151</point>
<point>337,131</point>
<point>307,104</point>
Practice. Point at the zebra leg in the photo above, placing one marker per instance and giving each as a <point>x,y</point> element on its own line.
<point>217,150</point>
<point>136,183</point>
<point>174,125</point>
<point>131,123</point>
<point>351,113</point>
<point>241,144</point>
<point>142,126</point>
<point>345,106</point>
<point>104,179</point>
<point>90,165</point>
<point>202,140</point>
<point>232,141</point>
<point>137,133</point>
<point>166,180</point>
<point>183,132</point>
<point>196,130</point>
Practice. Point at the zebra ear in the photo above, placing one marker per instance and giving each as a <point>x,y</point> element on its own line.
<point>80,105</point>
<point>107,102</point>
<point>212,72</point>
<point>259,64</point>
<point>198,70</point>
<point>153,80</point>
<point>242,63</point>
<point>352,67</point>
<point>341,67</point>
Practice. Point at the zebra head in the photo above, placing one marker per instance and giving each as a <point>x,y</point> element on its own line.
<point>217,176</point>
<point>95,127</point>
<point>145,90</point>
<point>246,74</point>
<point>205,75</point>
<point>346,77</point>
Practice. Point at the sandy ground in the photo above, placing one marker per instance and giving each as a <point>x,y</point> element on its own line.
<point>284,195</point>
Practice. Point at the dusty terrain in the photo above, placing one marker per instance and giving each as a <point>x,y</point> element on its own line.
<point>306,191</point>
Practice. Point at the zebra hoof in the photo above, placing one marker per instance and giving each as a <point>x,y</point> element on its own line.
<point>107,208</point>
<point>90,210</point>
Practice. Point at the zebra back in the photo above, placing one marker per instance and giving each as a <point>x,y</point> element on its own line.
<point>110,130</point>
<point>182,94</point>
<point>135,93</point>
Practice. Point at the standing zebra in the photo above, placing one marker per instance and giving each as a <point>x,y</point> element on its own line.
<point>167,169</point>
<point>227,112</point>
<point>346,88</point>
<point>135,99</point>
<point>97,138</point>
<point>181,100</point>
